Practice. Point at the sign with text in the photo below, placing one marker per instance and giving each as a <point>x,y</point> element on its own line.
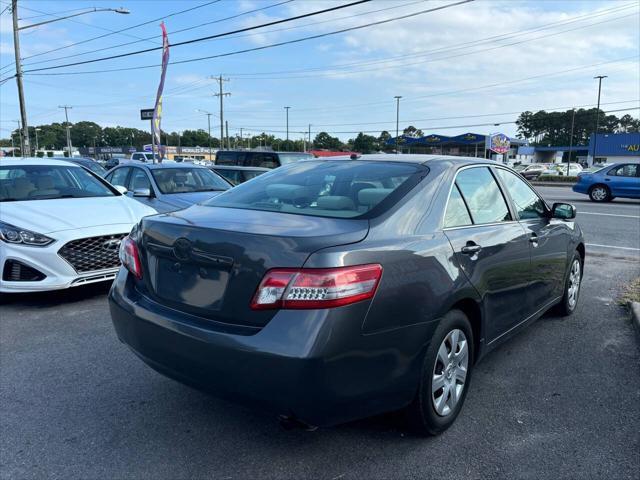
<point>146,114</point>
<point>498,142</point>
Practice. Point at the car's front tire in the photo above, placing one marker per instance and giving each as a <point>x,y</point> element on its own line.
<point>445,377</point>
<point>599,193</point>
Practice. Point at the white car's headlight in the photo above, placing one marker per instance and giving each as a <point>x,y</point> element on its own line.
<point>11,234</point>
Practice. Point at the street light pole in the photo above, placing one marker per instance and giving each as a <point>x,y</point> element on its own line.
<point>287,110</point>
<point>26,148</point>
<point>595,135</point>
<point>66,115</point>
<point>397,97</point>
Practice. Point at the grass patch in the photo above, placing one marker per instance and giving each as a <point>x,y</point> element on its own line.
<point>631,293</point>
<point>556,178</point>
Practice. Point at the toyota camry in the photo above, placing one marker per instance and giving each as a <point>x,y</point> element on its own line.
<point>330,290</point>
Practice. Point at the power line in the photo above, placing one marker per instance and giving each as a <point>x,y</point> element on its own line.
<point>247,12</point>
<point>173,14</point>
<point>208,37</point>
<point>482,115</point>
<point>450,47</point>
<point>263,47</point>
<point>441,127</point>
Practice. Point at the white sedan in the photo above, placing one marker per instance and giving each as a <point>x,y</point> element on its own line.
<point>60,225</point>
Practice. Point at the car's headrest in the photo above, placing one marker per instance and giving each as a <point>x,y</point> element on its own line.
<point>285,191</point>
<point>372,196</point>
<point>334,202</point>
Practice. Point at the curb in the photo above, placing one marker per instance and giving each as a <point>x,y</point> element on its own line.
<point>635,315</point>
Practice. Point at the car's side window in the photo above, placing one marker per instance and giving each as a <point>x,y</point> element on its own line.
<point>457,214</point>
<point>629,170</point>
<point>527,203</point>
<point>119,177</point>
<point>482,195</point>
<point>139,180</point>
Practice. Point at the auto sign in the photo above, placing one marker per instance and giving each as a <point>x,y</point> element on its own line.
<point>499,143</point>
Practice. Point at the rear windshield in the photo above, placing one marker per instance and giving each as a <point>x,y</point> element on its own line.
<point>339,189</point>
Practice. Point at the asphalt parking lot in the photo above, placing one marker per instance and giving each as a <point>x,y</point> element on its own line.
<point>561,400</point>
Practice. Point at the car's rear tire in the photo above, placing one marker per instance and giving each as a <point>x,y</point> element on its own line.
<point>599,193</point>
<point>573,282</point>
<point>448,363</point>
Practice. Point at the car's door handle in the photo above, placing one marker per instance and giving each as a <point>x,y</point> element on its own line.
<point>534,239</point>
<point>471,249</point>
<point>607,179</point>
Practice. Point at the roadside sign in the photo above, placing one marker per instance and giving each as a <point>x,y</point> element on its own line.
<point>498,143</point>
<point>146,114</point>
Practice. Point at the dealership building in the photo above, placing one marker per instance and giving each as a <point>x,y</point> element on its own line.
<point>467,145</point>
<point>609,148</point>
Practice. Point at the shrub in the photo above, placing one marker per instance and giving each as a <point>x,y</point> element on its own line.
<point>557,178</point>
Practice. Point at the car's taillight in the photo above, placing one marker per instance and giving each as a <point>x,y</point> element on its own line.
<point>130,257</point>
<point>305,288</point>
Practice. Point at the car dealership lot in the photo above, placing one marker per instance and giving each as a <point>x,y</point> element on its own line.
<point>562,399</point>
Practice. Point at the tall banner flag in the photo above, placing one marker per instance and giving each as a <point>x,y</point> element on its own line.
<point>157,110</point>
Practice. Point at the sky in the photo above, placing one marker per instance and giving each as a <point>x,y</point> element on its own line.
<point>463,68</point>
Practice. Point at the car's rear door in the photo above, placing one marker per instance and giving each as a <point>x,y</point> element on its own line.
<point>490,247</point>
<point>623,180</point>
<point>548,241</point>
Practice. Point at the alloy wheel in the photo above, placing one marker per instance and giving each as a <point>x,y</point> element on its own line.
<point>574,283</point>
<point>450,372</point>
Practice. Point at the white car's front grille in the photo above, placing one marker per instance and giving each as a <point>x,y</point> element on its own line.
<point>93,253</point>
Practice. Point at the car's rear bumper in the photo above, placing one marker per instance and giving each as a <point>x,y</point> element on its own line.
<point>313,365</point>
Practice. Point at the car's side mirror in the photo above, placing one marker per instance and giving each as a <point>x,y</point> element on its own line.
<point>121,189</point>
<point>564,211</point>
<point>142,192</point>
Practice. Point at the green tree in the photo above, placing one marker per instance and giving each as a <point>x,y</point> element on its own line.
<point>412,131</point>
<point>365,143</point>
<point>325,141</point>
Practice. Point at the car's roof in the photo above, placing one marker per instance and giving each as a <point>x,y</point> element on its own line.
<point>239,167</point>
<point>154,166</point>
<point>35,161</point>
<point>407,158</point>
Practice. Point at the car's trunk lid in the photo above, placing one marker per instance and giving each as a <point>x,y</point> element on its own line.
<point>208,261</point>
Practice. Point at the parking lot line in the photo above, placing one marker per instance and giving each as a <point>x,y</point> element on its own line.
<point>613,246</point>
<point>608,214</point>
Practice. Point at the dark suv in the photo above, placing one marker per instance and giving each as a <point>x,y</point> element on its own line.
<point>265,159</point>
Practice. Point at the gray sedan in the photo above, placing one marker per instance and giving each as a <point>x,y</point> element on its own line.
<point>330,290</point>
<point>168,187</point>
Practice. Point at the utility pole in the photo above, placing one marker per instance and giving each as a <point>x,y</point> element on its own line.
<point>397,97</point>
<point>221,95</point>
<point>25,149</point>
<point>573,119</point>
<point>595,135</point>
<point>226,127</point>
<point>287,110</point>
<point>16,48</point>
<point>66,115</point>
<point>37,146</point>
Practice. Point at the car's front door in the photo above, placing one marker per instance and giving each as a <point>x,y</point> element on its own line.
<point>490,247</point>
<point>548,240</point>
<point>623,180</point>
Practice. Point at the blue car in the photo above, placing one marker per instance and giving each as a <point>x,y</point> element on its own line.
<point>167,187</point>
<point>617,180</point>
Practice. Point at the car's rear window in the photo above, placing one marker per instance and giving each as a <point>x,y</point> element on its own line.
<point>339,189</point>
